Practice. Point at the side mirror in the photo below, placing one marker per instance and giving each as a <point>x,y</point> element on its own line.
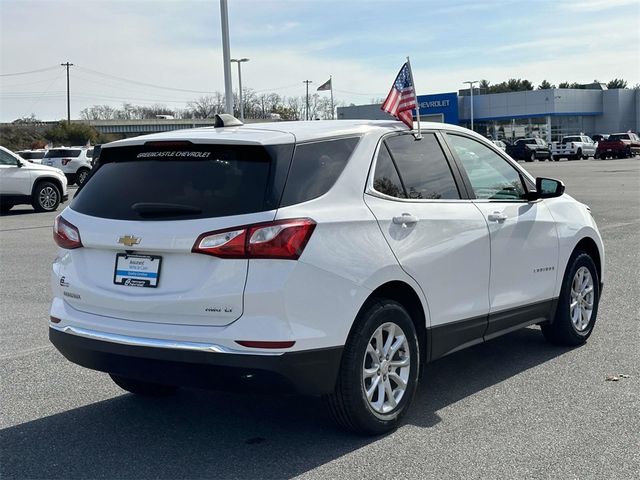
<point>18,163</point>
<point>546,188</point>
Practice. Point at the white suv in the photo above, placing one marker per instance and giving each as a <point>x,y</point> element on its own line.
<point>328,258</point>
<point>23,182</point>
<point>75,162</point>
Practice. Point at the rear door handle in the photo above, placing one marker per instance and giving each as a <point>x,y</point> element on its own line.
<point>405,219</point>
<point>497,217</point>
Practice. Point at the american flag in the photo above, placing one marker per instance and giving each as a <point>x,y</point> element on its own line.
<point>402,97</point>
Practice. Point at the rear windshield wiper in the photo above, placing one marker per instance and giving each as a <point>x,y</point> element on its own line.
<point>164,209</point>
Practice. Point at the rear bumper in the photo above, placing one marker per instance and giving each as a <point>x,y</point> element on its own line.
<point>309,372</point>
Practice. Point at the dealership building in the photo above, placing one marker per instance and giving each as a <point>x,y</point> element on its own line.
<point>548,114</point>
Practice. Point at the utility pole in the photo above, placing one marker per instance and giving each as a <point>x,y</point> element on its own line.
<point>68,97</point>
<point>471,82</point>
<point>226,56</point>
<point>307,82</point>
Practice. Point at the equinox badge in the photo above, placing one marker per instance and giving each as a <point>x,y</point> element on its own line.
<point>129,240</point>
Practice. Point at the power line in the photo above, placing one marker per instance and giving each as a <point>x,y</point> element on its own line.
<point>144,84</point>
<point>29,72</point>
<point>361,94</point>
<point>22,84</point>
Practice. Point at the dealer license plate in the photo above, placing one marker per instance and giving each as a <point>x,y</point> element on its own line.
<point>137,270</point>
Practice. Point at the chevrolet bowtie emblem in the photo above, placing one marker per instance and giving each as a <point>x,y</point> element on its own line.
<point>129,240</point>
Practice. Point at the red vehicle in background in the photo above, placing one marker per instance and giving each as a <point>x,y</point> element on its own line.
<point>619,145</point>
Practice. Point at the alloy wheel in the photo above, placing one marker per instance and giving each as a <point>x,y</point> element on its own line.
<point>385,369</point>
<point>582,298</point>
<point>48,198</point>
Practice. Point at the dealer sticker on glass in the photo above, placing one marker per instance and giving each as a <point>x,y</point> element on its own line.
<point>137,270</point>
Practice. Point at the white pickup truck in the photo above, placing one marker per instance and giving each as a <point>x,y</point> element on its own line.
<point>574,147</point>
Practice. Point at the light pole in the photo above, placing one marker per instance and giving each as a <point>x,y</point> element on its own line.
<point>224,21</point>
<point>239,61</point>
<point>471,82</point>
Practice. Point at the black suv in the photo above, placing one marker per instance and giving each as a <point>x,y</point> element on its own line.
<point>529,149</point>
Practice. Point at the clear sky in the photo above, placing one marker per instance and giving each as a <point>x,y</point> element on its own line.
<point>362,43</point>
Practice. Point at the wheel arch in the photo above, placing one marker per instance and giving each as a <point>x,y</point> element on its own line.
<point>53,180</point>
<point>588,245</point>
<point>408,297</point>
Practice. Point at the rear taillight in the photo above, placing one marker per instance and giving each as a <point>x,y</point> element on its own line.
<point>284,239</point>
<point>66,160</point>
<point>65,234</point>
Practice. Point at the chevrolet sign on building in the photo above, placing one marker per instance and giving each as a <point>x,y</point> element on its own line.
<point>441,107</point>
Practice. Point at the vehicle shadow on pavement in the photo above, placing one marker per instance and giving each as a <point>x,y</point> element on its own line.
<point>204,434</point>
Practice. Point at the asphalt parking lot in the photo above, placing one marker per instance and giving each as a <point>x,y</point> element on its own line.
<point>515,407</point>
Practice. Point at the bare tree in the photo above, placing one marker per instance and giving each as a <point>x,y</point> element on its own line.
<point>206,106</point>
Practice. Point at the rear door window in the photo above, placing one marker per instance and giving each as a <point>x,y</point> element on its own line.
<point>423,167</point>
<point>194,181</point>
<point>315,168</point>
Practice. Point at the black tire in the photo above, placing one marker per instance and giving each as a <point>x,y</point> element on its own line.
<point>5,207</point>
<point>81,176</point>
<point>46,197</point>
<point>579,154</point>
<point>532,157</point>
<point>555,158</point>
<point>563,331</point>
<point>627,153</point>
<point>145,389</point>
<point>348,404</point>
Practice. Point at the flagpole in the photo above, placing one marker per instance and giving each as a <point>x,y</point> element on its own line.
<point>332,109</point>
<point>415,95</point>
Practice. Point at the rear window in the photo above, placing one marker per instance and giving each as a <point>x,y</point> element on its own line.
<point>620,136</point>
<point>315,168</point>
<point>194,181</point>
<point>63,152</point>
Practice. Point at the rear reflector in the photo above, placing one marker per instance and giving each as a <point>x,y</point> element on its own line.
<point>65,234</point>
<point>283,239</point>
<point>258,344</point>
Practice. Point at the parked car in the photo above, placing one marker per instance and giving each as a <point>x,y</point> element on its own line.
<point>598,137</point>
<point>75,162</point>
<point>500,144</point>
<point>33,156</point>
<point>323,258</point>
<point>573,147</point>
<point>619,145</point>
<point>22,182</point>
<point>529,149</point>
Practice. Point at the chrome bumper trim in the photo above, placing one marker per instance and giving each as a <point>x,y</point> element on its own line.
<point>154,342</point>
